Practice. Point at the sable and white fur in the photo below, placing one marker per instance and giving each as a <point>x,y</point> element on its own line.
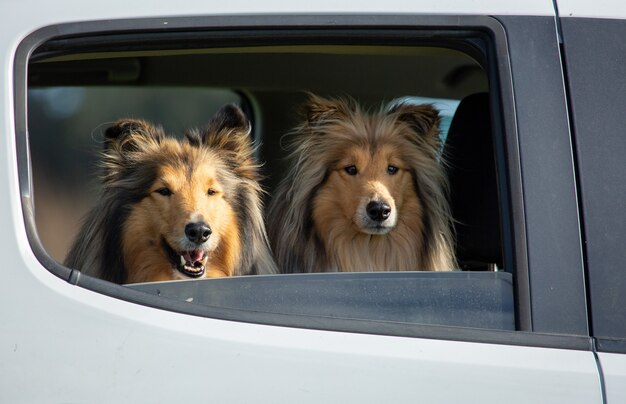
<point>345,160</point>
<point>176,209</point>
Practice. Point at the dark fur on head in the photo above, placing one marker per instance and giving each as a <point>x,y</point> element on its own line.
<point>329,128</point>
<point>133,152</point>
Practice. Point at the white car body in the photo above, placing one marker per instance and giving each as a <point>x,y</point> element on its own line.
<point>63,343</point>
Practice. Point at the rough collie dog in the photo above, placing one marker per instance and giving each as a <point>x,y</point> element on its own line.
<point>365,192</point>
<point>176,209</point>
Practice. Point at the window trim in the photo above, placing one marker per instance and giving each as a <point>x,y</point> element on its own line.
<point>504,122</point>
<point>553,228</point>
<point>586,39</point>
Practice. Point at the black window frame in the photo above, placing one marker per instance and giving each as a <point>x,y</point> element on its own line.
<point>98,35</point>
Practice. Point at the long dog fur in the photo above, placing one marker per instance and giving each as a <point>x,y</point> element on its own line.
<point>134,150</point>
<point>422,240</point>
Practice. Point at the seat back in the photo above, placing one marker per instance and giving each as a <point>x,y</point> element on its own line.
<point>470,156</point>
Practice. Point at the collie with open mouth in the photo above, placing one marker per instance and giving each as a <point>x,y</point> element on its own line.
<point>365,192</point>
<point>176,209</point>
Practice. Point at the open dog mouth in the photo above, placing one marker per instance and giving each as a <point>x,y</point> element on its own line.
<point>188,263</point>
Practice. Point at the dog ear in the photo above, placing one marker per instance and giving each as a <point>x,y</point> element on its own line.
<point>229,118</point>
<point>124,142</point>
<point>129,136</point>
<point>422,119</point>
<point>229,131</point>
<point>318,109</point>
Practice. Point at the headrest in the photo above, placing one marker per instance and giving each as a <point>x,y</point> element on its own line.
<point>474,200</point>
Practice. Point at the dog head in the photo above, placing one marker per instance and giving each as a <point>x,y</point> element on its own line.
<point>371,162</point>
<point>366,187</point>
<point>181,222</point>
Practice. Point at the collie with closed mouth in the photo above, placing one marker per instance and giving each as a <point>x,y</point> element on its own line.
<point>365,192</point>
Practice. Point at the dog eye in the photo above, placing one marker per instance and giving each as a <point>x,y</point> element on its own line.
<point>351,170</point>
<point>391,170</point>
<point>164,191</point>
<point>211,191</point>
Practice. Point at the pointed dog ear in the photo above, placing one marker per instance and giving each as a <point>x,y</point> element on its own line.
<point>229,131</point>
<point>318,109</point>
<point>229,118</point>
<point>423,120</point>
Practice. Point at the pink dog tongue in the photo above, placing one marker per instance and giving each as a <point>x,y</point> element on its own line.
<point>193,256</point>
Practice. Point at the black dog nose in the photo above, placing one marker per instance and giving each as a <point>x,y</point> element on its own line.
<point>198,232</point>
<point>378,211</point>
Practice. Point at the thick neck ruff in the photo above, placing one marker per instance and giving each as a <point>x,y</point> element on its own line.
<point>351,251</point>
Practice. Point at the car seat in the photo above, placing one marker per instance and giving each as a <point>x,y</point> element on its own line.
<point>474,200</point>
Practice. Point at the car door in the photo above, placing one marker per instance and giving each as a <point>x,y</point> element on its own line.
<point>68,337</point>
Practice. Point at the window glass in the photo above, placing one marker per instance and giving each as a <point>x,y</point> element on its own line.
<point>71,105</point>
